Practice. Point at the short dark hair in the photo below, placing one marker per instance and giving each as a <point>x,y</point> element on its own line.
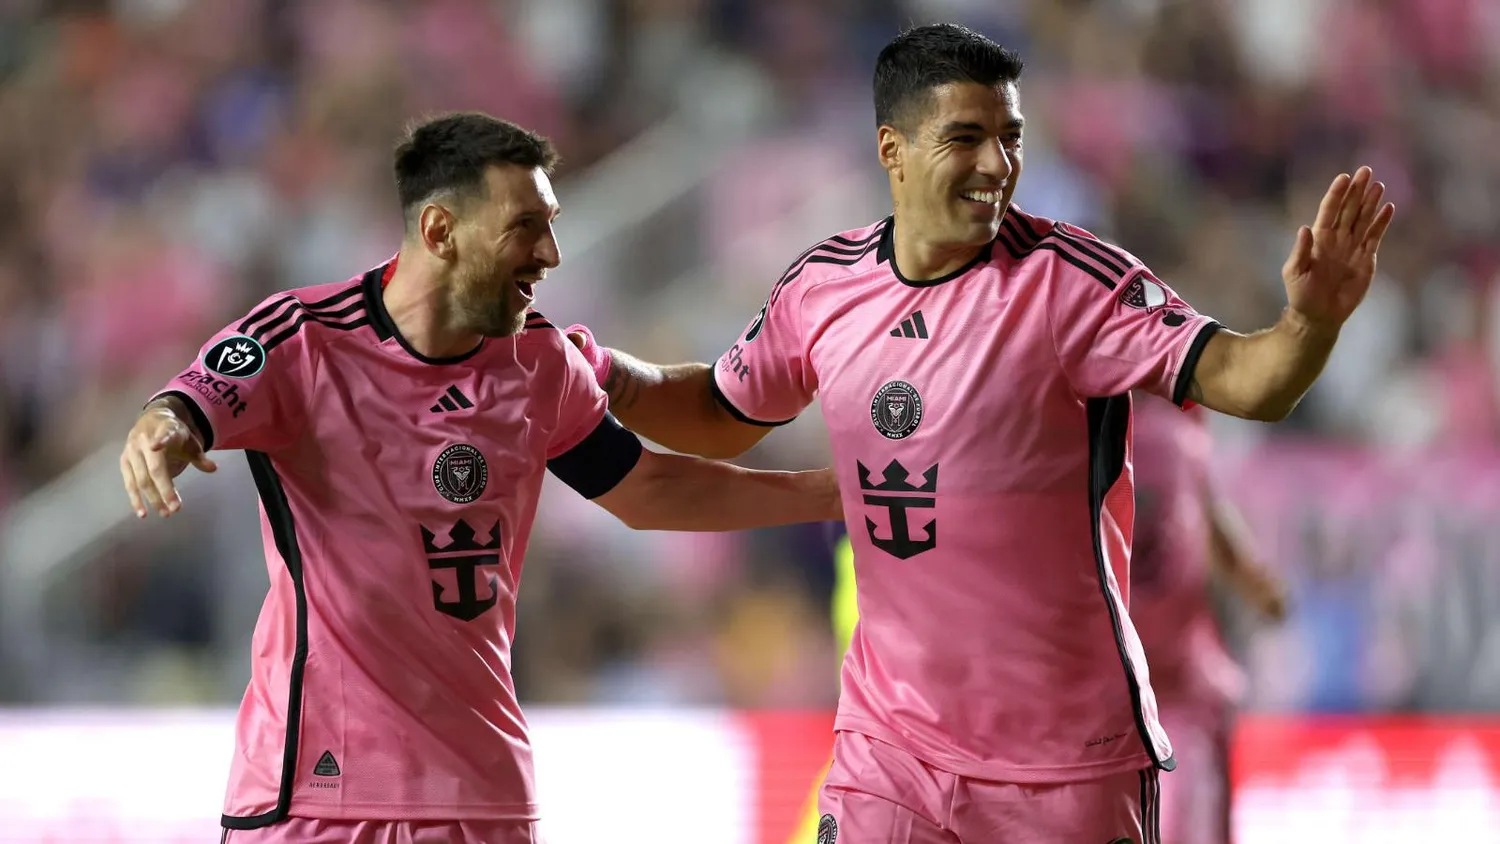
<point>453,151</point>
<point>921,59</point>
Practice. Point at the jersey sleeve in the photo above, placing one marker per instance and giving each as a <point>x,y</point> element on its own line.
<point>590,451</point>
<point>1113,337</point>
<point>245,390</point>
<point>766,377</point>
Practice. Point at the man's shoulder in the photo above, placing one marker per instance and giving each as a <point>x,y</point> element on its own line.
<point>543,343</point>
<point>540,332</point>
<point>1062,251</point>
<point>307,314</point>
<point>846,253</point>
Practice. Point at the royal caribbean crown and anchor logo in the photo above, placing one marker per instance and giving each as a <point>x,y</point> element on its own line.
<point>465,553</point>
<point>897,494</point>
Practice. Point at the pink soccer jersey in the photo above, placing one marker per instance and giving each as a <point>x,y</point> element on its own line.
<point>980,426</point>
<point>397,494</point>
<point>1170,601</point>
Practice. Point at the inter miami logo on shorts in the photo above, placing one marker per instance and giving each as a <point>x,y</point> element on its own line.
<point>896,410</point>
<point>1144,294</point>
<point>460,473</point>
<point>235,357</point>
<point>828,830</point>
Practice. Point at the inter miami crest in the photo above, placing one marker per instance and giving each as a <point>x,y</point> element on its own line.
<point>896,410</point>
<point>828,830</point>
<point>460,473</point>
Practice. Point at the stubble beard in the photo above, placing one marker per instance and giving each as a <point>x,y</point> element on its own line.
<point>487,308</point>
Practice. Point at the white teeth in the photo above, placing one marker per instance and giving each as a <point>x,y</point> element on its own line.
<point>989,196</point>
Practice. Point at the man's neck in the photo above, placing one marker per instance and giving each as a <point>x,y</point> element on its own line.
<point>923,260</point>
<point>418,302</point>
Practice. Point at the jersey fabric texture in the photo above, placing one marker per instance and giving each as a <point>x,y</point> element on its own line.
<point>980,427</point>
<point>397,494</point>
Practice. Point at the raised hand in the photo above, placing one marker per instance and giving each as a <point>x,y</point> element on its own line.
<point>1333,262</point>
<point>598,356</point>
<point>159,448</point>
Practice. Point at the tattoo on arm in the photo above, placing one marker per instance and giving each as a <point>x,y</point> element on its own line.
<point>622,387</point>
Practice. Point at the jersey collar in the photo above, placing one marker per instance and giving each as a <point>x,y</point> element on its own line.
<point>374,284</point>
<point>886,253</point>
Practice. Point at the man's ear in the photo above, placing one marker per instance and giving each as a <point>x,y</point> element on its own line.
<point>435,225</point>
<point>888,145</point>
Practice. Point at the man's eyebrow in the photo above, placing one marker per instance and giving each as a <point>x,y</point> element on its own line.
<point>957,126</point>
<point>960,126</point>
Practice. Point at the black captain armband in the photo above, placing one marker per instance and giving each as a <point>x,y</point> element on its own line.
<point>598,463</point>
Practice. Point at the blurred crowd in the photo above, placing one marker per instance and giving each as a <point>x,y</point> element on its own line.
<point>165,164</point>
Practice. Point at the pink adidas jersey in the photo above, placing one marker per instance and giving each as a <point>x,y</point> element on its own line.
<point>1169,600</point>
<point>397,494</point>
<point>980,425</point>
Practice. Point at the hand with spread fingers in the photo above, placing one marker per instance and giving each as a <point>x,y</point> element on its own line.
<point>159,448</point>
<point>1333,262</point>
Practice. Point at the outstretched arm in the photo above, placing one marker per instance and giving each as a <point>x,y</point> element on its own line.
<point>675,406</point>
<point>672,492</point>
<point>1264,375</point>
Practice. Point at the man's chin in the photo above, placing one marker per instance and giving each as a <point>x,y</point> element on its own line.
<point>977,233</point>
<point>507,326</point>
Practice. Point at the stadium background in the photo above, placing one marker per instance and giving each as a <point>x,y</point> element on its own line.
<point>164,164</point>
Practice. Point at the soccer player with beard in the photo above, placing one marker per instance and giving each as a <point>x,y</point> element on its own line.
<point>974,364</point>
<point>397,426</point>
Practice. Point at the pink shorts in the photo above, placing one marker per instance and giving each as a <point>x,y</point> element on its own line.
<point>317,831</point>
<point>877,794</point>
<point>1195,798</point>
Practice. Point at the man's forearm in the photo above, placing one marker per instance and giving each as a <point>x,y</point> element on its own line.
<point>1229,540</point>
<point>1264,375</point>
<point>674,406</point>
<point>693,494</point>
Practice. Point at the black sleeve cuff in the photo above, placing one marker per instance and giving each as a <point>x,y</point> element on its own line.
<point>598,463</point>
<point>1190,362</point>
<point>713,385</point>
<point>199,420</point>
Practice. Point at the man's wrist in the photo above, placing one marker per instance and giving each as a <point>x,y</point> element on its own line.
<point>177,409</point>
<point>1308,329</point>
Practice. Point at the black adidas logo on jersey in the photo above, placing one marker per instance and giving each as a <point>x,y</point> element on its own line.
<point>912,326</point>
<point>327,766</point>
<point>452,400</point>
